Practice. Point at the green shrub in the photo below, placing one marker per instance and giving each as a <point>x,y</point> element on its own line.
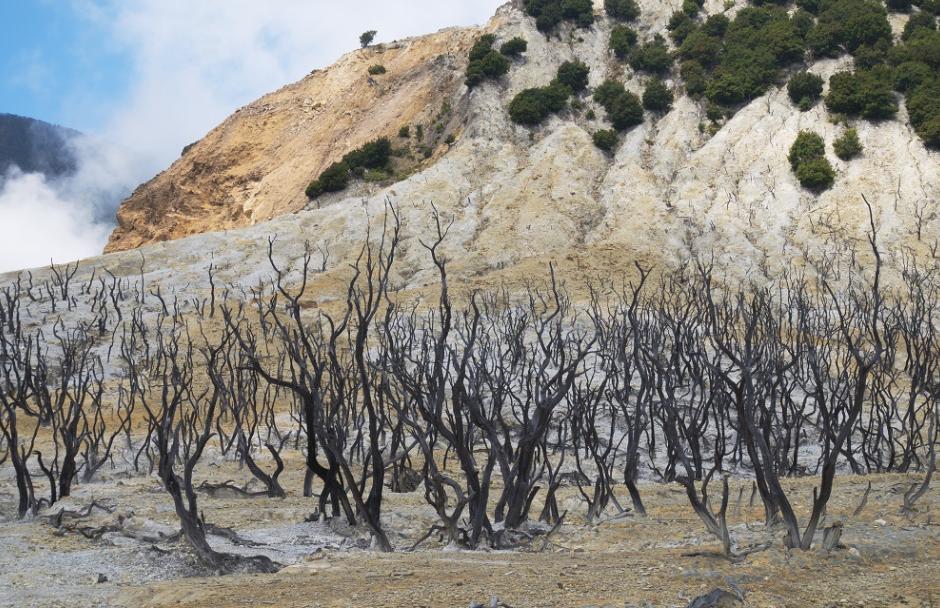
<point>848,146</point>
<point>691,7</point>
<point>485,62</point>
<point>606,140</point>
<point>866,93</point>
<point>808,145</point>
<point>366,38</point>
<point>803,23</point>
<point>923,107</point>
<point>804,85</point>
<point>333,179</point>
<point>849,24</point>
<point>608,91</point>
<point>755,46</point>
<point>377,69</point>
<point>693,74</point>
<point>482,46</point>
<point>574,75</point>
<point>622,40</point>
<point>680,26</point>
<point>910,75</point>
<point>550,13</point>
<point>404,132</point>
<point>899,6</point>
<point>371,155</point>
<point>810,6</point>
<point>701,47</point>
<point>923,46</point>
<point>808,160</point>
<point>625,111</point>
<point>376,175</point>
<point>867,57</point>
<point>622,10</point>
<point>374,155</point>
<point>623,108</point>
<point>920,20</point>
<point>657,97</point>
<point>816,174</point>
<point>716,25</point>
<point>514,47</point>
<point>653,57</point>
<point>532,106</point>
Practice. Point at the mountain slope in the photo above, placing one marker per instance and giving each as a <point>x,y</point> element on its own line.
<point>35,146</point>
<point>257,163</point>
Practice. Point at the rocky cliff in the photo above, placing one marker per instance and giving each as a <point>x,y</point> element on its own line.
<point>521,196</point>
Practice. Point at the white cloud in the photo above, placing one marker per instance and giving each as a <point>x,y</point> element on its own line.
<point>40,224</point>
<point>196,62</point>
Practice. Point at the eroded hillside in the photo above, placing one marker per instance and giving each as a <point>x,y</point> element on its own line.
<point>520,196</point>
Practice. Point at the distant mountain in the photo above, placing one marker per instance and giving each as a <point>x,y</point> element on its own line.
<point>36,147</point>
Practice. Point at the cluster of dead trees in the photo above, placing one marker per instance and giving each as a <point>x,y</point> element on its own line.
<point>489,406</point>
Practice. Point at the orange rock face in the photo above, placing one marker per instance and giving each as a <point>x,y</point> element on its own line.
<point>256,164</point>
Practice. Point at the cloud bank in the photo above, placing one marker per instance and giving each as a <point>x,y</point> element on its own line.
<point>192,64</point>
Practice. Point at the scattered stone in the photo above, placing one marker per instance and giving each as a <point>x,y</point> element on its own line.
<point>719,598</point>
<point>101,579</point>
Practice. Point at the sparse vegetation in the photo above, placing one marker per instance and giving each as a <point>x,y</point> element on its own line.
<point>653,57</point>
<point>622,40</point>
<point>606,140</point>
<point>366,38</point>
<point>848,145</point>
<point>865,93</point>
<point>514,47</point>
<point>374,155</point>
<point>623,108</point>
<point>808,160</point>
<point>574,75</point>
<point>377,69</point>
<point>486,63</point>
<point>550,13</point>
<point>804,89</point>
<point>532,106</point>
<point>657,97</point>
<point>622,10</point>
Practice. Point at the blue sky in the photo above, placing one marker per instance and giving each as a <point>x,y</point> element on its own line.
<point>87,64</point>
<point>58,64</point>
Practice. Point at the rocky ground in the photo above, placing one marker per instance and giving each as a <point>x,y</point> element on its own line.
<point>665,559</point>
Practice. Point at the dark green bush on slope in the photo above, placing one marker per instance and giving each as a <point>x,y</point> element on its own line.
<point>574,75</point>
<point>808,160</point>
<point>865,93</point>
<point>848,145</point>
<point>735,61</point>
<point>846,25</point>
<point>373,155</point>
<point>808,145</point>
<point>532,106</point>
<point>622,10</point>
<point>804,88</point>
<point>623,108</point>
<point>622,41</point>
<point>657,97</point>
<point>514,47</point>
<point>550,13</point>
<point>606,140</point>
<point>653,57</point>
<point>816,174</point>
<point>486,63</point>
